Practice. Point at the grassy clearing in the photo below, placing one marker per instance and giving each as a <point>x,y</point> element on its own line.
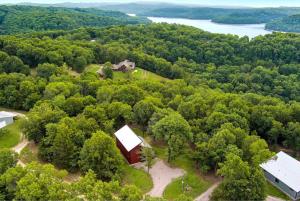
<point>137,177</point>
<point>273,191</point>
<point>12,138</point>
<point>194,183</point>
<point>138,73</point>
<point>93,68</point>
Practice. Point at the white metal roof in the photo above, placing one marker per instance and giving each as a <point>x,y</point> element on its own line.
<point>285,168</point>
<point>2,124</point>
<point>128,138</point>
<point>7,114</point>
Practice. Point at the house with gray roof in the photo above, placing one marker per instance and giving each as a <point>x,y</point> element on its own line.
<point>283,171</point>
<point>6,118</point>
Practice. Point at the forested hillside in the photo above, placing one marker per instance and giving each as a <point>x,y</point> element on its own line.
<point>227,101</point>
<point>224,15</point>
<point>287,24</point>
<point>266,65</point>
<point>22,19</point>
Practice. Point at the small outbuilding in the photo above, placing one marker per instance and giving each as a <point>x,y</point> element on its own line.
<point>6,118</point>
<point>129,144</point>
<point>283,171</point>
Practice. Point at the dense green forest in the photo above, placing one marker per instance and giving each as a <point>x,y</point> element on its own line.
<point>227,101</point>
<point>219,15</point>
<point>266,65</point>
<point>287,24</point>
<point>22,19</point>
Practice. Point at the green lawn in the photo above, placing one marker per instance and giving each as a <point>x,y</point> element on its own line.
<point>136,177</point>
<point>140,74</point>
<point>194,183</point>
<point>13,137</point>
<point>273,191</point>
<point>92,68</point>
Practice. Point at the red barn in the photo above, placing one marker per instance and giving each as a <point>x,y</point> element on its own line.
<point>129,144</point>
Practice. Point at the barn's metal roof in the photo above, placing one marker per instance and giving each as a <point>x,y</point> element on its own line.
<point>285,168</point>
<point>128,138</point>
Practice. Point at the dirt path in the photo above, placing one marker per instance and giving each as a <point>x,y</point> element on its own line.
<point>206,195</point>
<point>22,144</point>
<point>19,147</point>
<point>271,198</point>
<point>162,175</point>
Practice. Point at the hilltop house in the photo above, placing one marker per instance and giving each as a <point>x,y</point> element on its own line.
<point>6,118</point>
<point>124,66</point>
<point>129,144</point>
<point>283,172</point>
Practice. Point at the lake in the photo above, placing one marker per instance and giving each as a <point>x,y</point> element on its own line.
<point>250,30</point>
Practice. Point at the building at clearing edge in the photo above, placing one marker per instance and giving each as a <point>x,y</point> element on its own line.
<point>6,118</point>
<point>129,144</point>
<point>283,171</point>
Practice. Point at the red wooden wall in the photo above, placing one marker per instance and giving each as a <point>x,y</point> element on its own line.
<point>133,156</point>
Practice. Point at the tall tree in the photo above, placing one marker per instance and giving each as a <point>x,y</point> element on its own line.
<point>241,182</point>
<point>148,155</point>
<point>175,130</point>
<point>8,159</point>
<point>101,155</point>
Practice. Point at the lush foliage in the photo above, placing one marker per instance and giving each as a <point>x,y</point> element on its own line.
<point>8,159</point>
<point>223,15</point>
<point>242,181</point>
<point>23,19</point>
<point>72,118</point>
<point>44,182</point>
<point>266,65</point>
<point>287,24</point>
<point>100,154</point>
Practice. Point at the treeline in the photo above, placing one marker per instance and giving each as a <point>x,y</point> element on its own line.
<point>23,19</point>
<point>35,51</point>
<point>250,16</point>
<point>287,24</point>
<point>223,15</point>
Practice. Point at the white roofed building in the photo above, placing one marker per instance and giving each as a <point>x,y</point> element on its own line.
<point>6,118</point>
<point>129,144</point>
<point>283,171</point>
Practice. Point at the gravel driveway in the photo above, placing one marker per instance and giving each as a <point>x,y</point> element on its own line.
<point>162,175</point>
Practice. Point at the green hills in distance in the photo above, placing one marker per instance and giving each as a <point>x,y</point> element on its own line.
<point>67,16</point>
<point>24,19</point>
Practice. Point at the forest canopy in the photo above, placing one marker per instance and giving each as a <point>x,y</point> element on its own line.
<point>267,65</point>
<point>23,19</point>
<point>287,24</point>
